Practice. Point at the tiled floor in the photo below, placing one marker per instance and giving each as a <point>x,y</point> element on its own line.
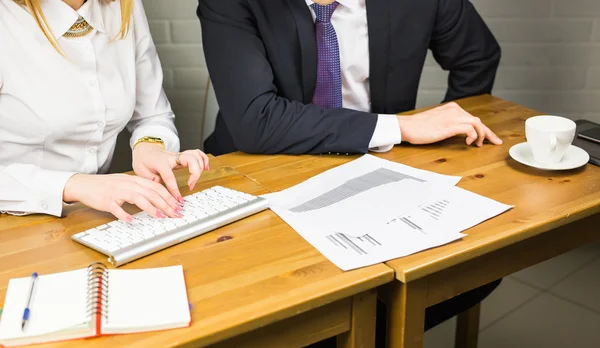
<point>555,304</point>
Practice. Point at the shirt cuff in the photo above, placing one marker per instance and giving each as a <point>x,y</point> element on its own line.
<point>170,139</point>
<point>51,194</point>
<point>386,134</point>
<point>30,189</point>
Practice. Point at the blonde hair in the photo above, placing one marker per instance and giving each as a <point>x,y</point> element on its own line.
<point>35,8</point>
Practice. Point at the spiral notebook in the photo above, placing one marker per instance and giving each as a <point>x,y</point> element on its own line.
<point>94,301</point>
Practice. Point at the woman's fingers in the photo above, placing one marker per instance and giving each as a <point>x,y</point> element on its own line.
<point>159,202</point>
<point>195,165</point>
<point>146,173</point>
<point>205,160</point>
<point>119,213</point>
<point>134,197</point>
<point>166,173</point>
<point>162,193</point>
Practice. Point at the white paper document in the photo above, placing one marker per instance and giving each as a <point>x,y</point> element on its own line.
<point>359,195</point>
<point>372,210</point>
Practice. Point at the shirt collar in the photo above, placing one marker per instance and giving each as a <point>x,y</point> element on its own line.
<point>60,16</point>
<point>353,4</point>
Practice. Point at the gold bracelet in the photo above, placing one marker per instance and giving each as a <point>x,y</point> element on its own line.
<point>149,140</point>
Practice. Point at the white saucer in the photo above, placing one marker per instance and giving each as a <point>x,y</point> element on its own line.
<point>574,158</point>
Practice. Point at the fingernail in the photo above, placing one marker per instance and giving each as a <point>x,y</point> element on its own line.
<point>129,219</point>
<point>180,199</point>
<point>178,214</point>
<point>160,214</point>
<point>179,209</point>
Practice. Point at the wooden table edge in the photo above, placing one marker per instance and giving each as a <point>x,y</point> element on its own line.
<point>421,271</point>
<point>384,277</point>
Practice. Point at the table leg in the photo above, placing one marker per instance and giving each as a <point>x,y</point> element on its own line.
<point>362,327</point>
<point>406,314</point>
<point>467,328</point>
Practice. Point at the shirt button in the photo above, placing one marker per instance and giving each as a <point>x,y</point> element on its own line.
<point>44,205</point>
<point>92,82</point>
<point>100,124</point>
<point>92,151</point>
<point>88,48</point>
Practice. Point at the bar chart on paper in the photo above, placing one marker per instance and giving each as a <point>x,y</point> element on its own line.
<point>353,187</point>
<point>369,243</point>
<point>360,245</point>
<point>430,211</point>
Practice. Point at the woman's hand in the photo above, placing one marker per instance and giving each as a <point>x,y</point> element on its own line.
<point>109,192</point>
<point>153,162</point>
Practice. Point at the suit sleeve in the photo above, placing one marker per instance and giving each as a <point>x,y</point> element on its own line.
<point>261,121</point>
<point>462,43</point>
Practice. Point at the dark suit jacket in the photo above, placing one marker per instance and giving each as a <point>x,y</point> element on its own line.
<point>262,59</point>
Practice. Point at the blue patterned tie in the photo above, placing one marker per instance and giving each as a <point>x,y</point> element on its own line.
<point>328,93</point>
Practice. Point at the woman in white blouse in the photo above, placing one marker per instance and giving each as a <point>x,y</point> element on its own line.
<point>73,75</point>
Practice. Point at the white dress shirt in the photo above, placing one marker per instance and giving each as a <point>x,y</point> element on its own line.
<point>352,29</point>
<point>60,116</point>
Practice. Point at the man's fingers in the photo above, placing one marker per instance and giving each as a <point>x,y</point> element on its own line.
<point>466,129</point>
<point>194,165</point>
<point>493,138</point>
<point>483,131</point>
<point>119,213</point>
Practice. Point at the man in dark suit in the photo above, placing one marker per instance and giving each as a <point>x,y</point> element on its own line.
<point>265,59</point>
<point>324,76</point>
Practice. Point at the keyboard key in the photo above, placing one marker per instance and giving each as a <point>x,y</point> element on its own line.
<point>89,239</point>
<point>179,222</point>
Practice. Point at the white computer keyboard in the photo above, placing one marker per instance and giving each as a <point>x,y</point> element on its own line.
<point>202,212</point>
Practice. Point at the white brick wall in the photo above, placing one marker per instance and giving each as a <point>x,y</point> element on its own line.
<point>551,58</point>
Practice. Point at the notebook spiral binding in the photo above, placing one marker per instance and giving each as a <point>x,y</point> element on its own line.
<point>97,290</point>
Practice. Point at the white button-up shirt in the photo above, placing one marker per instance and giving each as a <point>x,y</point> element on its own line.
<point>60,116</point>
<point>350,23</point>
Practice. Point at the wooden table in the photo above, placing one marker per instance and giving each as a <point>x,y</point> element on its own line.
<point>254,283</point>
<point>554,212</point>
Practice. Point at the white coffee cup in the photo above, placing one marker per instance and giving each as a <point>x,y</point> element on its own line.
<point>549,137</point>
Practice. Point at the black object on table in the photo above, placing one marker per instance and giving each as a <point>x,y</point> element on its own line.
<point>593,149</point>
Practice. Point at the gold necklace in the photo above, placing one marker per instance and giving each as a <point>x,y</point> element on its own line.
<point>79,29</point>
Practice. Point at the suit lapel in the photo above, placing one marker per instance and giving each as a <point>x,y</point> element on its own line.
<point>308,47</point>
<point>378,17</point>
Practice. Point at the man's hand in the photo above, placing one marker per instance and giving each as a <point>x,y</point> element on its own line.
<point>444,122</point>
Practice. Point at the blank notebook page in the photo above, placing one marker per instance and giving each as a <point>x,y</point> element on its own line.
<point>146,300</point>
<point>58,303</point>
